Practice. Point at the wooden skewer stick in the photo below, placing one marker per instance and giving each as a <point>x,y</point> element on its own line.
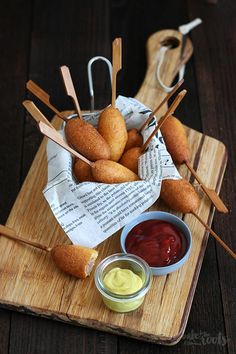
<point>169,112</point>
<point>51,132</point>
<point>35,113</point>
<point>216,200</point>
<point>10,233</point>
<point>218,239</point>
<point>116,66</point>
<point>168,96</point>
<point>69,86</point>
<point>44,97</point>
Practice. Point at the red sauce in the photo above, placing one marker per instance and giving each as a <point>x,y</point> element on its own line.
<point>158,242</point>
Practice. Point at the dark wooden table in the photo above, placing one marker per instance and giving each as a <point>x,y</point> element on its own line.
<point>37,37</point>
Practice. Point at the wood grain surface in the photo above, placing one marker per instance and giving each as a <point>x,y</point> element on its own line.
<point>34,46</point>
<point>30,280</point>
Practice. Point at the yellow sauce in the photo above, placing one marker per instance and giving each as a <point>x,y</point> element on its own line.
<point>122,282</point>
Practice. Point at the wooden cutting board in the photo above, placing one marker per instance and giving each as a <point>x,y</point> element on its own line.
<point>31,283</point>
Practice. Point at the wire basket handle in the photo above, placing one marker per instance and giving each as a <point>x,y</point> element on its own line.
<point>90,76</point>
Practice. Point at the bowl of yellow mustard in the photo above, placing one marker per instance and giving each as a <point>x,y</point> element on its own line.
<point>123,280</point>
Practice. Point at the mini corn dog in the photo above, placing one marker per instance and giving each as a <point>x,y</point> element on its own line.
<point>112,128</point>
<point>82,171</point>
<point>107,171</point>
<point>179,195</point>
<point>111,123</point>
<point>135,139</point>
<point>103,171</point>
<point>130,158</point>
<point>84,138</point>
<point>74,259</point>
<point>176,140</point>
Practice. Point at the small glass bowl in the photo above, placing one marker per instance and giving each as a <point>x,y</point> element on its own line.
<point>123,303</point>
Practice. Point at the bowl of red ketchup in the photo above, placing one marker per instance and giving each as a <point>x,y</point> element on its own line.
<point>162,239</point>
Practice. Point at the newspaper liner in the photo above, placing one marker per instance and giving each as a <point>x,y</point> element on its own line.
<point>90,212</point>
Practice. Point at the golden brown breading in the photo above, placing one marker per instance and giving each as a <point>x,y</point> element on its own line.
<point>176,140</point>
<point>84,138</point>
<point>107,171</point>
<point>112,127</point>
<point>179,195</point>
<point>134,139</point>
<point>130,159</point>
<point>75,260</point>
<point>82,171</point>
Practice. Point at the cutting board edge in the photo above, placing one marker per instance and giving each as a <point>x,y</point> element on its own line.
<point>148,337</point>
